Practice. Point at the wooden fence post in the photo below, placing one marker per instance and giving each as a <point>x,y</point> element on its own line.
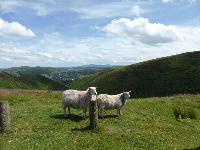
<point>4,116</point>
<point>93,114</point>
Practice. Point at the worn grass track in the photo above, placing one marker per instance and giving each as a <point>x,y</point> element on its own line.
<point>38,123</point>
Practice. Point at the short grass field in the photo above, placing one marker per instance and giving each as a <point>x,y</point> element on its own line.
<point>37,122</point>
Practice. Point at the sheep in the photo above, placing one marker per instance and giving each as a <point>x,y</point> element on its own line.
<point>106,102</point>
<point>78,99</point>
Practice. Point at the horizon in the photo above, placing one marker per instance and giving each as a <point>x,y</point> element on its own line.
<point>112,65</point>
<point>74,33</point>
<point>66,66</point>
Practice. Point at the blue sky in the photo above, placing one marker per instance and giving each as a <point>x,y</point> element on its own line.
<point>63,33</point>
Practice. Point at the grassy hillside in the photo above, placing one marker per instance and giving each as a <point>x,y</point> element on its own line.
<point>158,77</point>
<point>83,81</point>
<point>28,82</point>
<point>37,122</point>
<point>26,70</point>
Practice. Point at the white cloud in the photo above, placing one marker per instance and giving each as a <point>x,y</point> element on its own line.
<point>13,55</point>
<point>166,1</point>
<point>137,10</point>
<point>87,9</point>
<point>55,50</point>
<point>14,29</point>
<point>7,5</point>
<point>109,10</point>
<point>190,1</point>
<point>140,29</point>
<point>39,7</point>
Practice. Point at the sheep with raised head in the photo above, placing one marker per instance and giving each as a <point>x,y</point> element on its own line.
<point>106,102</point>
<point>78,99</point>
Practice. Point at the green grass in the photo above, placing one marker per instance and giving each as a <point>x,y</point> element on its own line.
<point>83,81</point>
<point>178,74</point>
<point>37,122</point>
<point>184,112</point>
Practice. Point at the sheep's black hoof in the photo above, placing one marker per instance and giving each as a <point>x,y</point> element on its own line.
<point>83,116</point>
<point>101,117</point>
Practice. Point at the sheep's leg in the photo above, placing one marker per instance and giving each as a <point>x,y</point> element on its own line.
<point>118,112</point>
<point>98,111</point>
<point>101,113</point>
<point>69,110</point>
<point>65,111</point>
<point>64,105</point>
<point>83,113</point>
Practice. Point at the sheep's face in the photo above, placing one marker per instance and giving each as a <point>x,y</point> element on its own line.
<point>92,90</point>
<point>93,93</point>
<point>126,95</point>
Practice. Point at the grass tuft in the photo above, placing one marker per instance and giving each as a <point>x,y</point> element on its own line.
<point>184,113</point>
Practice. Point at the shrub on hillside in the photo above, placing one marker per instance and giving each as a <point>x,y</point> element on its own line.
<point>183,113</point>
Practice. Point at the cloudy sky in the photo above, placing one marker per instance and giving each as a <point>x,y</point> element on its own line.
<point>63,33</point>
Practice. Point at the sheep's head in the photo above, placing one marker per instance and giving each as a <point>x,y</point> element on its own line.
<point>92,90</point>
<point>93,93</point>
<point>126,95</point>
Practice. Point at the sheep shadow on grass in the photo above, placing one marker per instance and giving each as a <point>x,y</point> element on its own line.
<point>108,116</point>
<point>87,129</point>
<point>72,117</point>
<point>196,148</point>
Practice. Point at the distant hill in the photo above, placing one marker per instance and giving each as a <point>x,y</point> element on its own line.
<point>95,66</point>
<point>178,74</point>
<point>59,74</point>
<point>28,82</point>
<point>26,70</point>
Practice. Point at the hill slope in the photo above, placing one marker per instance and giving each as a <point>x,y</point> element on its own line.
<point>28,82</point>
<point>158,77</point>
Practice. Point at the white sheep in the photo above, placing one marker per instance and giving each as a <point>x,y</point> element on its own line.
<point>78,99</point>
<point>106,102</point>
